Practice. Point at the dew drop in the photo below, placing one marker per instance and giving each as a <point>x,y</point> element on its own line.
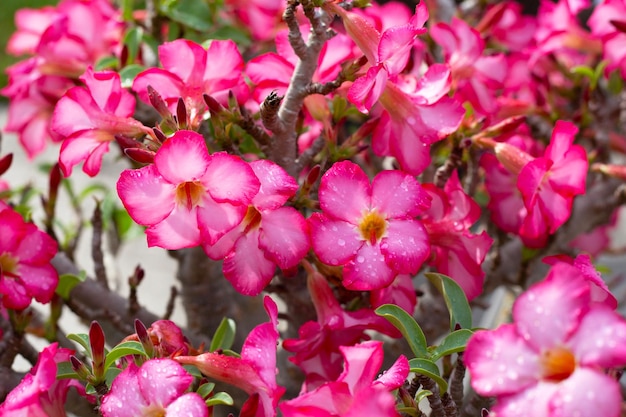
<point>360,259</point>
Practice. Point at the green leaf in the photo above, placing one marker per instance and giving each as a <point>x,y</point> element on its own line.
<point>224,335</point>
<point>124,349</point>
<point>430,369</point>
<point>67,282</point>
<point>105,63</point>
<point>111,374</point>
<point>83,340</point>
<point>411,411</point>
<point>191,13</point>
<point>132,40</point>
<point>407,325</point>
<point>220,398</point>
<point>583,70</point>
<point>241,38</point>
<point>455,299</point>
<point>65,371</point>
<point>193,371</point>
<point>453,343</point>
<point>129,73</point>
<point>205,389</point>
<point>422,394</point>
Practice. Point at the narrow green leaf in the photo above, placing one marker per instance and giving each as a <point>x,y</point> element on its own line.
<point>422,394</point>
<point>430,369</point>
<point>105,63</point>
<point>453,343</point>
<point>111,374</point>
<point>205,389</point>
<point>67,282</point>
<point>129,73</point>
<point>220,398</point>
<point>83,340</point>
<point>124,349</point>
<point>407,325</point>
<point>132,40</point>
<point>191,13</point>
<point>455,299</point>
<point>411,411</point>
<point>224,335</point>
<point>583,70</point>
<point>65,371</point>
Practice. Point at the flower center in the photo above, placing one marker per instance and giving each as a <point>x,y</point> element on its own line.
<point>8,265</point>
<point>189,194</point>
<point>372,227</point>
<point>558,364</point>
<point>253,219</point>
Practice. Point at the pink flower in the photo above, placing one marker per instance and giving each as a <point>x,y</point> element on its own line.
<point>613,39</point>
<point>550,362</point>
<point>158,388</point>
<point>548,185</point>
<point>88,118</point>
<point>317,348</point>
<point>255,371</point>
<point>369,229</point>
<point>355,392</point>
<point>261,17</point>
<point>25,269</point>
<point>40,394</point>
<point>475,76</point>
<point>455,251</point>
<point>269,235</point>
<point>166,337</point>
<point>30,25</point>
<point>188,196</point>
<point>189,71</point>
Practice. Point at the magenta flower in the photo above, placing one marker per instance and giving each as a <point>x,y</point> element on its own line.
<point>551,361</point>
<point>25,269</point>
<point>270,234</point>
<point>355,392</point>
<point>189,71</point>
<point>88,118</point>
<point>40,394</point>
<point>475,76</point>
<point>613,39</point>
<point>370,229</point>
<point>158,388</point>
<point>261,17</point>
<point>188,196</point>
<point>255,371</point>
<point>455,251</point>
<point>317,348</point>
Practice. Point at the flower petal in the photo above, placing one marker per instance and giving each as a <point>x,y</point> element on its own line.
<point>187,405</point>
<point>398,195</point>
<point>177,231</point>
<point>246,267</point>
<point>367,270</point>
<point>183,157</point>
<point>600,340</point>
<point>230,179</point>
<point>284,237</point>
<point>216,219</point>
<point>125,398</point>
<point>146,195</point>
<point>406,246</point>
<point>586,393</point>
<point>344,192</point>
<point>277,186</point>
<point>335,242</point>
<point>161,381</point>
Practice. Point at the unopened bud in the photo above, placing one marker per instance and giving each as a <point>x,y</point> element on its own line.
<point>617,171</point>
<point>96,341</point>
<point>512,157</point>
<point>5,163</point>
<point>181,114</point>
<point>80,368</point>
<point>144,338</point>
<point>214,106</point>
<point>158,103</point>
<point>143,156</point>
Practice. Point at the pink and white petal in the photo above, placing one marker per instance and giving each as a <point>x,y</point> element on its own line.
<point>442,117</point>
<point>367,270</point>
<point>223,62</point>
<point>146,195</point>
<point>177,231</point>
<point>600,339</point>
<point>184,58</point>
<point>71,112</point>
<point>216,219</point>
<point>500,362</point>
<point>335,242</point>
<point>445,37</point>
<point>284,236</point>
<point>394,48</point>
<point>125,398</point>
<point>187,405</point>
<point>224,245</point>
<point>12,230</point>
<point>394,377</point>
<point>561,141</point>
<point>406,246</point>
<point>76,149</point>
<point>161,381</point>
<point>14,294</point>
<point>396,194</point>
<point>412,154</point>
<point>246,267</point>
<point>569,174</point>
<point>230,179</point>
<point>269,68</point>
<point>435,84</point>
<point>533,401</point>
<point>36,247</point>
<point>183,157</point>
<point>366,90</point>
<point>168,85</point>
<point>40,281</point>
<point>92,164</point>
<point>362,363</point>
<point>586,393</point>
<point>549,312</point>
<point>277,186</point>
<point>345,192</point>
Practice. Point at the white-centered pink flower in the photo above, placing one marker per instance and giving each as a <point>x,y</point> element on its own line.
<point>188,196</point>
<point>552,360</point>
<point>157,388</point>
<point>370,229</point>
<point>270,234</point>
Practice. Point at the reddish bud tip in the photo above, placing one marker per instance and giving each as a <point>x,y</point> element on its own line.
<point>214,106</point>
<point>143,156</point>
<point>619,25</point>
<point>80,368</point>
<point>158,103</point>
<point>181,113</point>
<point>313,175</point>
<point>5,163</point>
<point>126,142</point>
<point>96,341</point>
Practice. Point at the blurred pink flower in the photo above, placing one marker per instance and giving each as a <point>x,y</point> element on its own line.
<point>40,394</point>
<point>270,234</point>
<point>157,388</point>
<point>255,371</point>
<point>613,39</point>
<point>455,250</point>
<point>551,361</point>
<point>355,392</point>
<point>25,269</point>
<point>369,229</point>
<point>263,18</point>
<point>88,118</point>
<point>187,196</point>
<point>189,71</point>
